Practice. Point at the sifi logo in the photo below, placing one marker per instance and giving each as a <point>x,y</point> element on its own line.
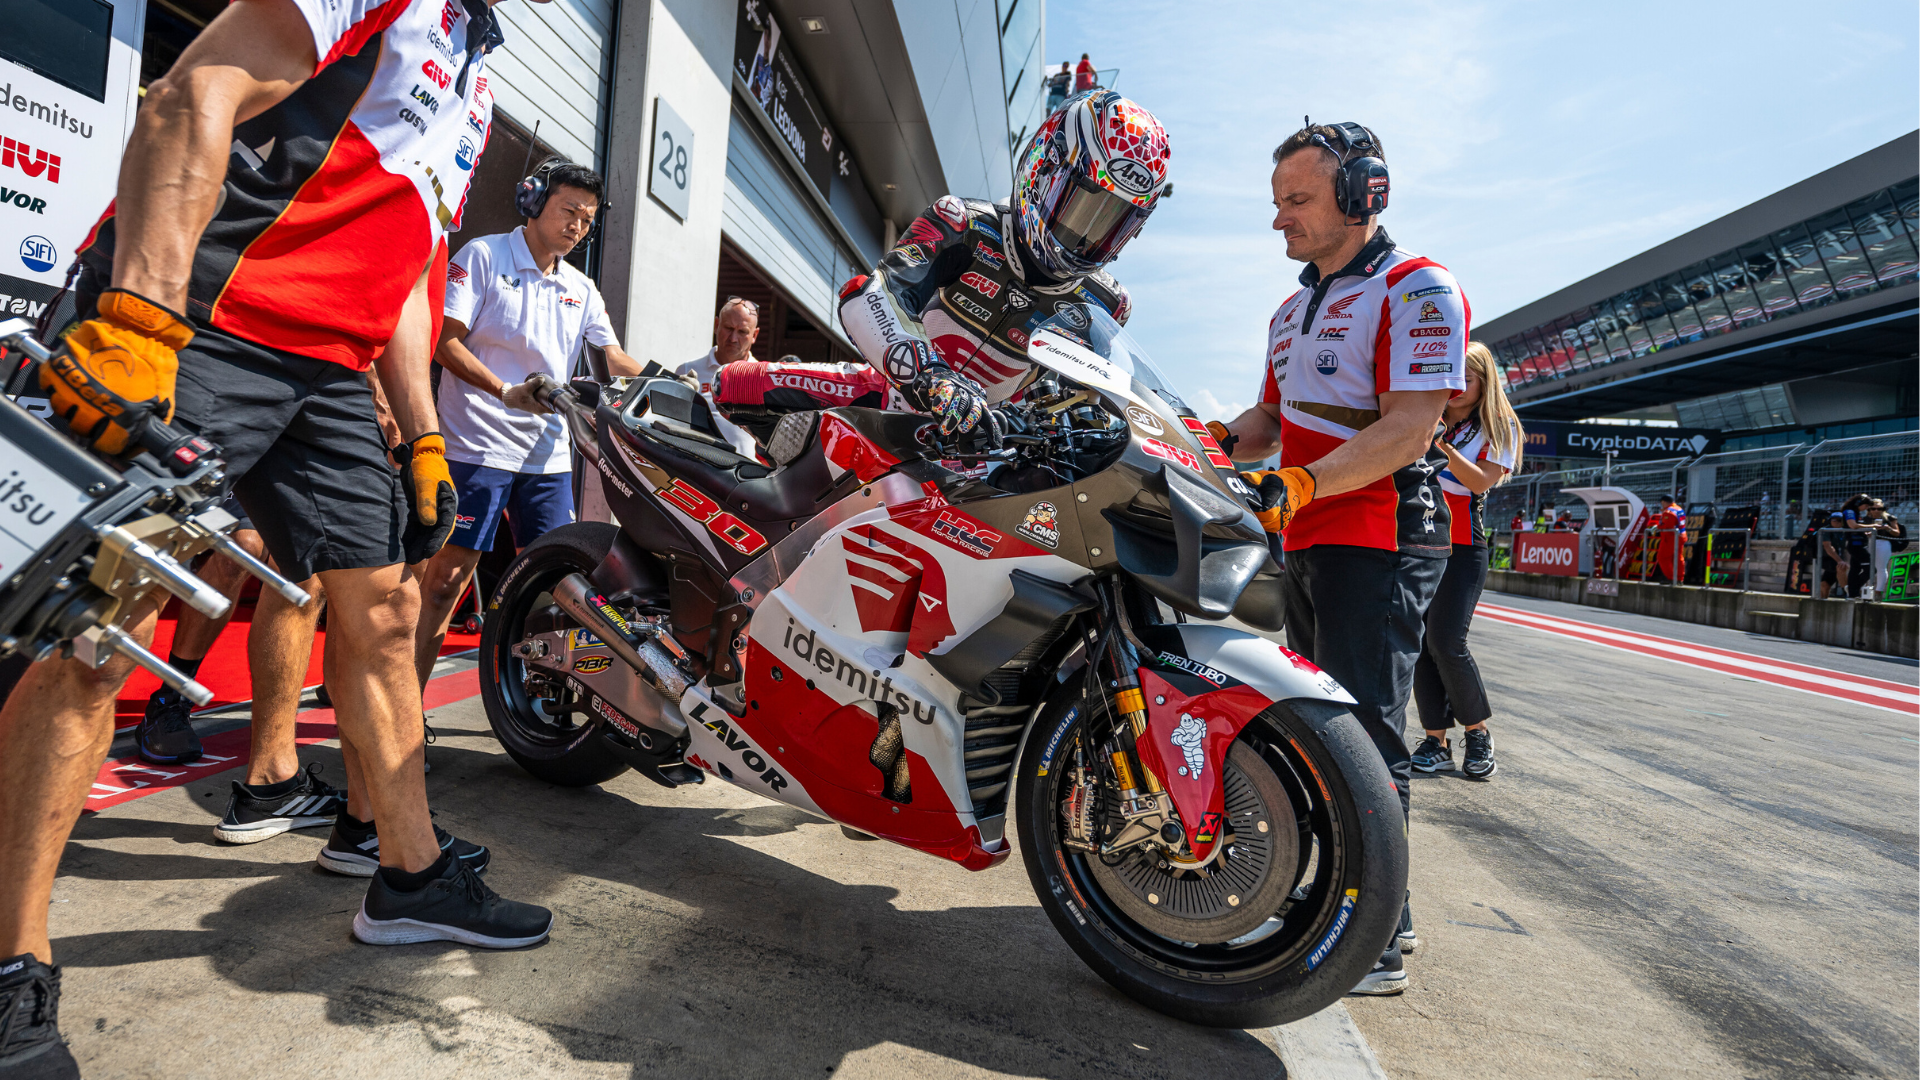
<point>1430,313</point>
<point>438,74</point>
<point>39,254</point>
<point>981,284</point>
<point>1042,525</point>
<point>463,154</point>
<point>1327,362</point>
<point>1145,420</point>
<point>1338,309</point>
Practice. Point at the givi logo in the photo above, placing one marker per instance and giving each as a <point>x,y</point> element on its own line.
<point>1547,553</point>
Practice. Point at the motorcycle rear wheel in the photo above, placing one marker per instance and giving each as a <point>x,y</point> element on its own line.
<point>548,744</point>
<point>1342,893</point>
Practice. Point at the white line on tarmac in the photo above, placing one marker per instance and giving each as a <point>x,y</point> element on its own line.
<point>1326,1046</point>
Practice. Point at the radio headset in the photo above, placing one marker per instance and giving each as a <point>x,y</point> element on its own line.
<point>1360,183</point>
<point>530,195</point>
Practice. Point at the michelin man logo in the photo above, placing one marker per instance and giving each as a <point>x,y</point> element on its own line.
<point>1191,738</point>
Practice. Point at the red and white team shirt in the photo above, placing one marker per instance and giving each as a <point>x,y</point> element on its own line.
<point>338,198</point>
<point>1469,511</point>
<point>1389,320</point>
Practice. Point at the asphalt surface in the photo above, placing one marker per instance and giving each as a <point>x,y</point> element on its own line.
<point>1676,872</point>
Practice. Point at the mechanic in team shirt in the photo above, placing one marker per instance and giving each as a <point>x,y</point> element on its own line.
<point>1482,442</point>
<point>515,310</point>
<point>1360,363</point>
<point>340,209</point>
<point>947,313</point>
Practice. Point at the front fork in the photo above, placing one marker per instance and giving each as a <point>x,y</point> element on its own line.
<point>1145,806</point>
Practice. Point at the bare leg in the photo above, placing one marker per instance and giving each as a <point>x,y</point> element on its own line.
<point>194,634</point>
<point>371,621</point>
<point>54,732</point>
<point>442,579</point>
<point>278,647</point>
<point>359,806</point>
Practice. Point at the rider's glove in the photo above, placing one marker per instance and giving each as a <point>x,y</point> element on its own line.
<point>1221,435</point>
<point>1279,495</point>
<point>116,370</point>
<point>431,502</point>
<point>957,401</point>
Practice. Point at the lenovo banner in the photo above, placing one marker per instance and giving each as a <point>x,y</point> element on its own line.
<point>1547,553</point>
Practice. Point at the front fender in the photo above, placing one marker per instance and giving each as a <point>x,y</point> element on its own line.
<point>1202,685</point>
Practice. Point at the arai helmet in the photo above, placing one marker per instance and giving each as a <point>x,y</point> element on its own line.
<point>1086,183</point>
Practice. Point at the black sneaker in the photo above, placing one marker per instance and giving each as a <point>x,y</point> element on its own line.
<point>1405,937</point>
<point>354,850</point>
<point>1432,755</point>
<point>1478,763</point>
<point>252,817</point>
<point>457,906</point>
<point>30,1044</point>
<point>1389,974</point>
<point>165,735</point>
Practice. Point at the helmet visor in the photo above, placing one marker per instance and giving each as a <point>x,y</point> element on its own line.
<point>1091,223</point>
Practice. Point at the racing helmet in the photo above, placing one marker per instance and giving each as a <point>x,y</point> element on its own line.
<point>1086,183</point>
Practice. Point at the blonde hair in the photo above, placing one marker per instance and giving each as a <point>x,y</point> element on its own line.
<point>1496,414</point>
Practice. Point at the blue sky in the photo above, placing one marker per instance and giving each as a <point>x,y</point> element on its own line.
<point>1532,144</point>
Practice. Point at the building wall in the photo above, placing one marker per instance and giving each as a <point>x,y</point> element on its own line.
<point>954,46</point>
<point>556,70</point>
<point>669,293</point>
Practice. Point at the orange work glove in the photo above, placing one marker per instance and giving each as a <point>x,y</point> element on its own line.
<point>1221,435</point>
<point>1279,494</point>
<point>431,502</point>
<point>116,370</point>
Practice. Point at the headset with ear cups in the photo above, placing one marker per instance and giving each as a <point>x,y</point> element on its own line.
<point>530,195</point>
<point>1360,182</point>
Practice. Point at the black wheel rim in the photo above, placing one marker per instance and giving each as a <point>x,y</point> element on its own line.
<point>537,725</point>
<point>1302,925</point>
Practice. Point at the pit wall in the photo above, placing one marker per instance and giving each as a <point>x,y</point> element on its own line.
<point>1870,626</point>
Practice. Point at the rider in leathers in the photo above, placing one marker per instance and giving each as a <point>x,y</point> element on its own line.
<point>946,315</point>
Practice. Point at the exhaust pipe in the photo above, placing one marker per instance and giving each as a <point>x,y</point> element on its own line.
<point>580,599</point>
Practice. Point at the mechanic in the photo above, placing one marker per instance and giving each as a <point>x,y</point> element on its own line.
<point>736,326</point>
<point>515,311</point>
<point>1360,363</point>
<point>946,315</point>
<point>343,232</point>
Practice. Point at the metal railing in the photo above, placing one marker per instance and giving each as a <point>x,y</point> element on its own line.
<point>1885,466</point>
<point>1762,478</point>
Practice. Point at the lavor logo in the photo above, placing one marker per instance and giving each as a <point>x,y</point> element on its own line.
<point>968,306</point>
<point>981,284</point>
<point>749,757</point>
<point>866,681</point>
<point>1194,667</point>
<point>1338,309</point>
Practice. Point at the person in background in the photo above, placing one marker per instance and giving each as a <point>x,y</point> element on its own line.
<point>1482,441</point>
<point>735,328</point>
<point>1543,520</point>
<point>1085,77</point>
<point>515,311</point>
<point>1833,569</point>
<point>1889,536</point>
<point>1564,523</point>
<point>1058,84</point>
<point>1669,527</point>
<point>1519,522</point>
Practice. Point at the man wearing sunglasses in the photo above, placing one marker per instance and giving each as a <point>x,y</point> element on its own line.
<point>946,315</point>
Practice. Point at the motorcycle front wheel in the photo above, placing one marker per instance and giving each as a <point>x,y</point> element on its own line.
<point>550,740</point>
<point>1288,915</point>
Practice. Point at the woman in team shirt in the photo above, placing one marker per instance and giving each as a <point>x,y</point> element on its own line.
<point>1481,437</point>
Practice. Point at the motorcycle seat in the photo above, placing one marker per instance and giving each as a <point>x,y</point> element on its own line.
<point>799,488</point>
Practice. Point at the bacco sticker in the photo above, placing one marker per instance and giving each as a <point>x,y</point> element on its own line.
<point>1145,420</point>
<point>1042,525</point>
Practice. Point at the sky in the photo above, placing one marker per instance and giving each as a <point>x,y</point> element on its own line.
<point>1531,144</point>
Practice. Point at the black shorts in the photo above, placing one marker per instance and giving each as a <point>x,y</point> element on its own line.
<point>304,450</point>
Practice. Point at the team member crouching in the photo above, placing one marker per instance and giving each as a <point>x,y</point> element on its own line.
<point>1482,442</point>
<point>515,309</point>
<point>266,356</point>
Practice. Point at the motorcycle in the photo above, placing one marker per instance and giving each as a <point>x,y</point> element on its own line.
<point>938,660</point>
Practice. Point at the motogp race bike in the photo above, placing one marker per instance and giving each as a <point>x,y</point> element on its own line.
<point>940,660</point>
